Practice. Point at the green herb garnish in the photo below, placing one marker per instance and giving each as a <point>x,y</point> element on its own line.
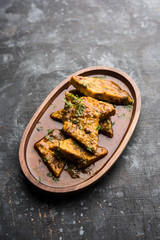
<point>80,127</point>
<point>85,161</point>
<point>49,131</point>
<point>45,160</point>
<point>99,127</point>
<point>78,97</point>
<point>53,106</point>
<point>89,149</point>
<point>57,153</point>
<point>67,104</point>
<point>76,121</point>
<point>84,85</point>
<point>58,146</point>
<point>49,174</point>
<point>129,107</point>
<point>71,95</point>
<point>55,179</point>
<point>76,144</point>
<point>39,179</point>
<point>132,101</point>
<point>112,123</point>
<point>80,109</point>
<point>50,139</point>
<point>39,128</point>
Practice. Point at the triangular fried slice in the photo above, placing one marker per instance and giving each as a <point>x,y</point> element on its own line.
<point>101,89</point>
<point>105,125</point>
<point>80,122</point>
<point>82,158</point>
<point>53,161</point>
<point>105,109</point>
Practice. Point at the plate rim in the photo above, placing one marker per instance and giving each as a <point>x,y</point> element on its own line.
<point>114,157</point>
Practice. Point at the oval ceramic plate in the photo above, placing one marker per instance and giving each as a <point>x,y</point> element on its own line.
<point>124,123</point>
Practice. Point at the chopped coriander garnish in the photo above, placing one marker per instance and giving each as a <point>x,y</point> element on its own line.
<point>39,179</point>
<point>113,123</point>
<point>84,85</point>
<point>80,127</point>
<point>80,109</point>
<point>99,127</point>
<point>45,160</point>
<point>35,168</point>
<point>58,147</point>
<point>55,179</point>
<point>89,149</point>
<point>49,130</point>
<point>39,128</point>
<point>67,104</point>
<point>71,95</point>
<point>76,144</point>
<point>76,121</point>
<point>50,139</point>
<point>49,174</point>
<point>123,115</point>
<point>129,107</point>
<point>75,100</point>
<point>109,127</point>
<point>132,101</point>
<point>57,153</point>
<point>78,97</point>
<point>53,106</point>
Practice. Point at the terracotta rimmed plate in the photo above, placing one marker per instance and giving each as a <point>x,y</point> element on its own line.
<point>124,121</point>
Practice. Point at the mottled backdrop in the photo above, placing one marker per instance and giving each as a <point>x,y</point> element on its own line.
<point>41,43</point>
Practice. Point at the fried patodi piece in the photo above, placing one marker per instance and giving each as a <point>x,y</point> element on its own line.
<point>80,122</point>
<point>81,158</point>
<point>101,89</point>
<point>105,109</point>
<point>53,161</point>
<point>105,125</point>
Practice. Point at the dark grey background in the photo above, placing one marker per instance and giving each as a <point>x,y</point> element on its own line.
<point>41,43</point>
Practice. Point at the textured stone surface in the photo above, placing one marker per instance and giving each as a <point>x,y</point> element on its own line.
<point>41,43</point>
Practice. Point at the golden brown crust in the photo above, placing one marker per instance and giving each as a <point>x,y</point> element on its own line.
<point>101,89</point>
<point>44,147</point>
<point>77,154</point>
<point>80,122</point>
